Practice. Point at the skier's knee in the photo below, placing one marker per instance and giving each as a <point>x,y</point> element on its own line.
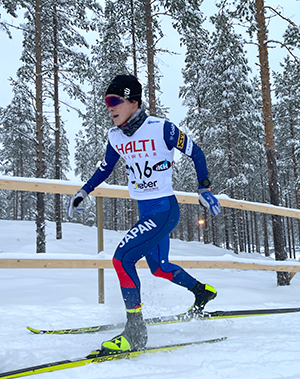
<point>163,274</point>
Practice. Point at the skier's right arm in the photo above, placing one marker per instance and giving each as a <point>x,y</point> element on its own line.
<point>108,163</point>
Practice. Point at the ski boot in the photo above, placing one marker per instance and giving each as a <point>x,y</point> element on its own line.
<point>134,336</point>
<point>203,294</point>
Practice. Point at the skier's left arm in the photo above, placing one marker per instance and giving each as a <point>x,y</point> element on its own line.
<point>102,173</point>
<point>174,137</point>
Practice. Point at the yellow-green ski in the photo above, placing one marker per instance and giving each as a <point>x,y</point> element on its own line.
<point>160,320</point>
<point>97,356</point>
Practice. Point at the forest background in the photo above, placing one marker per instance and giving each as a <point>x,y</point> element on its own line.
<point>71,50</point>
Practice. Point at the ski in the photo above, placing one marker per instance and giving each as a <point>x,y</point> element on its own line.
<point>183,317</point>
<point>98,356</point>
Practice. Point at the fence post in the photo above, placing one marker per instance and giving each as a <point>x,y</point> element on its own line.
<point>99,206</point>
<point>292,274</point>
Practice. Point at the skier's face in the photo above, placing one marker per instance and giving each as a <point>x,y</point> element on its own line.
<point>122,111</point>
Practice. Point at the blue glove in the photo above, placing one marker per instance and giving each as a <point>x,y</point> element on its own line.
<point>207,200</point>
<point>75,201</point>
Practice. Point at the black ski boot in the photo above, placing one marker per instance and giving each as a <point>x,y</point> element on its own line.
<point>134,336</point>
<point>203,294</point>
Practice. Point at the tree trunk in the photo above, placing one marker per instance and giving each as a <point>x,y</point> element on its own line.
<point>226,226</point>
<point>251,239</point>
<point>293,256</point>
<point>248,240</point>
<point>231,174</point>
<point>57,125</point>
<point>280,254</point>
<point>206,228</point>
<point>265,221</point>
<point>40,164</point>
<point>214,230</point>
<point>295,169</point>
<point>21,164</point>
<point>189,224</point>
<point>256,233</point>
<point>240,225</point>
<point>133,39</point>
<point>150,58</point>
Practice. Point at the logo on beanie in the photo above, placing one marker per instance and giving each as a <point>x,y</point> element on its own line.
<point>126,91</point>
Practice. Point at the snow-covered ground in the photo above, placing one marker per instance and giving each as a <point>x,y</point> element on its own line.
<point>257,347</point>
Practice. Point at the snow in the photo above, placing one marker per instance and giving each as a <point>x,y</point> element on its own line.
<point>257,347</point>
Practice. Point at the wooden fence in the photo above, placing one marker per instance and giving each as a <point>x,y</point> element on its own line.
<point>105,190</point>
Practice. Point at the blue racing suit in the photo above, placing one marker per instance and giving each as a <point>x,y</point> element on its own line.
<point>149,237</point>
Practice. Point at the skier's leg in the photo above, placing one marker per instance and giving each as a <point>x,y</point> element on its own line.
<point>158,261</point>
<point>139,241</point>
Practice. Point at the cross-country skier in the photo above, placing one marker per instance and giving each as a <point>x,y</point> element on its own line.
<point>147,144</point>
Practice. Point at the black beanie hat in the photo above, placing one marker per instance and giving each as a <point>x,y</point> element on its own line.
<point>126,86</point>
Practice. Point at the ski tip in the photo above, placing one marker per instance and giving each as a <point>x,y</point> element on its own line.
<point>221,338</point>
<point>35,331</point>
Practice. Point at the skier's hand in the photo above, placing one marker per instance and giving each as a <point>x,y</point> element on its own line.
<point>209,201</point>
<point>75,201</point>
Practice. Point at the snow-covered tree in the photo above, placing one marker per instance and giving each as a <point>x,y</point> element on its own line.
<point>106,63</point>
<point>52,59</point>
<point>287,121</point>
<point>17,150</point>
<point>222,114</point>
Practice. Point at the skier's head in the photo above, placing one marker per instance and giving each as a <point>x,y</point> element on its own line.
<point>126,86</point>
<point>123,98</point>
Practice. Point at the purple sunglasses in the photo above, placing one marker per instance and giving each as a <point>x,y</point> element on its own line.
<point>112,101</point>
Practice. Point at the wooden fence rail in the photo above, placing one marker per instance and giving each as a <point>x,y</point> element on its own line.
<point>105,190</point>
<point>36,263</point>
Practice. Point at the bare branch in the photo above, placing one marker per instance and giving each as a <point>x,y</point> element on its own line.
<point>13,26</point>
<point>70,106</point>
<point>26,136</point>
<point>167,51</point>
<point>161,14</point>
<point>280,15</point>
<point>285,46</point>
<point>251,43</point>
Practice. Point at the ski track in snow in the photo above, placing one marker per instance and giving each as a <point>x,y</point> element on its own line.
<point>266,347</point>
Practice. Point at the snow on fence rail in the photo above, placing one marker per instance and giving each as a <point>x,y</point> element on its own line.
<point>105,190</point>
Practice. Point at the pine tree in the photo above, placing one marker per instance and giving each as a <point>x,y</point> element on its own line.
<point>292,39</point>
<point>287,121</point>
<point>106,63</point>
<point>50,62</point>
<point>64,67</point>
<point>257,188</point>
<point>254,13</point>
<point>17,152</point>
<point>221,111</point>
